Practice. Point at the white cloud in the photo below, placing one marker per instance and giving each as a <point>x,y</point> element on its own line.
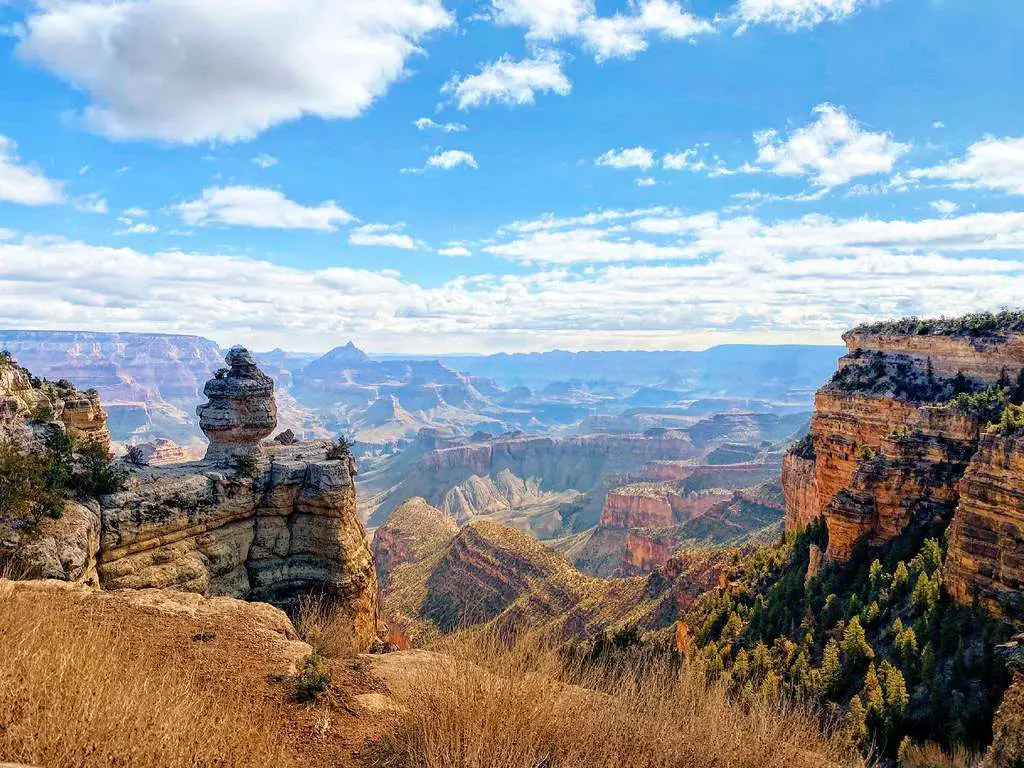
<point>511,82</point>
<point>549,221</point>
<point>92,203</point>
<point>830,151</point>
<point>646,181</point>
<point>259,207</point>
<point>264,161</point>
<point>455,251</point>
<point>386,235</point>
<point>991,163</point>
<point>452,158</point>
<point>622,36</point>
<point>584,246</point>
<point>135,213</point>
<point>944,207</point>
<point>619,36</point>
<point>146,64</point>
<point>25,184</point>
<point>797,14</point>
<point>938,124</point>
<point>811,295</point>
<point>425,123</point>
<point>634,157</point>
<point>7,234</point>
<point>544,19</point>
<point>136,228</point>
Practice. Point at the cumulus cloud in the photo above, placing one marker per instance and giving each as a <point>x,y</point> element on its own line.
<point>451,158</point>
<point>425,123</point>
<point>146,64</point>
<point>634,157</point>
<point>25,184</point>
<point>259,207</point>
<point>831,151</point>
<point>606,37</point>
<point>646,181</point>
<point>806,295</point>
<point>385,235</point>
<point>992,163</point>
<point>510,82</point>
<point>455,251</point>
<point>136,228</point>
<point>584,246</point>
<point>623,36</point>
<point>797,14</point>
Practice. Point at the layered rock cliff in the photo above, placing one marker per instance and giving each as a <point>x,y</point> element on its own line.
<point>896,431</point>
<point>264,522</point>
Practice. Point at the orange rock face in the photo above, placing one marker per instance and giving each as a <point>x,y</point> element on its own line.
<point>880,460</point>
<point>800,491</point>
<point>986,539</point>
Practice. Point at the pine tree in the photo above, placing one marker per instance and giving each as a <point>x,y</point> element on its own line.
<point>856,721</point>
<point>855,642</point>
<point>873,693</point>
<point>896,697</point>
<point>901,577</point>
<point>830,674</point>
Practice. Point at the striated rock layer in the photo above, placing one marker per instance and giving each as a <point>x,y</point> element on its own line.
<point>985,560</point>
<point>885,449</point>
<point>242,410</point>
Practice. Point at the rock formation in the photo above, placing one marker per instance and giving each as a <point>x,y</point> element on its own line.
<point>241,412</point>
<point>271,530</point>
<point>986,539</point>
<point>887,447</point>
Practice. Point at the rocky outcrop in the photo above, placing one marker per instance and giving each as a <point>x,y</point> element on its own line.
<point>290,529</point>
<point>24,397</point>
<point>241,412</point>
<point>885,447</point>
<point>645,505</point>
<point>800,491</point>
<point>160,452</point>
<point>985,560</point>
<point>413,532</point>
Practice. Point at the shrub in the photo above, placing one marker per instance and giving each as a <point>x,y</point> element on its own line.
<point>313,680</point>
<point>96,474</point>
<point>244,465</point>
<point>340,449</point>
<point>134,457</point>
<point>1011,423</point>
<point>987,405</point>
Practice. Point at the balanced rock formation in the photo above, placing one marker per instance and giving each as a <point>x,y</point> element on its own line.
<point>889,446</point>
<point>273,529</point>
<point>241,412</point>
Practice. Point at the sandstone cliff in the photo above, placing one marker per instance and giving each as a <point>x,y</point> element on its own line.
<point>888,446</point>
<point>414,532</point>
<point>986,539</point>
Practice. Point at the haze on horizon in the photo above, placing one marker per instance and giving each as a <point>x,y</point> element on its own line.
<point>481,176</point>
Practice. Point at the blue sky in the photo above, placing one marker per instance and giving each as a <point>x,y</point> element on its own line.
<point>646,174</point>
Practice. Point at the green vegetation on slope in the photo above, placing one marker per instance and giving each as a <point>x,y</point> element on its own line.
<point>974,324</point>
<point>875,641</point>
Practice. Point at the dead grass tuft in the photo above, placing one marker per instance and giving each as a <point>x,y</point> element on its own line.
<point>74,693</point>
<point>526,706</point>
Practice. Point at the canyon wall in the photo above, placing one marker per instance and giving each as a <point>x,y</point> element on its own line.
<point>986,539</point>
<point>887,446</point>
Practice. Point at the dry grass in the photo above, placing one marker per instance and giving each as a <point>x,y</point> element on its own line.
<point>326,626</point>
<point>526,707</point>
<point>74,693</point>
<point>931,755</point>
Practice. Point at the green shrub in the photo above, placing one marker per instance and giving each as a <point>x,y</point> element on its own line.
<point>987,405</point>
<point>313,680</point>
<point>1011,423</point>
<point>244,465</point>
<point>340,449</point>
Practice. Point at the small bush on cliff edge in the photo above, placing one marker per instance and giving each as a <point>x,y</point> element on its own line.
<point>340,449</point>
<point>1011,424</point>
